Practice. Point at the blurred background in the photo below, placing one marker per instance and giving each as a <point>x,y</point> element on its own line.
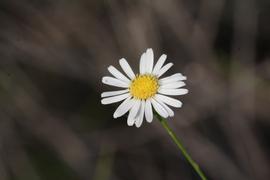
<point>54,53</point>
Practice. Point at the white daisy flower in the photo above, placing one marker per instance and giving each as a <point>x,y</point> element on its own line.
<point>144,90</point>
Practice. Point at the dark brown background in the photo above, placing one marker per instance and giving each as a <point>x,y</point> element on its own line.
<point>53,54</point>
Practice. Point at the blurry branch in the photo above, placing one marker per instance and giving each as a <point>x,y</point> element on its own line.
<point>242,100</point>
<point>205,31</point>
<point>17,160</point>
<point>116,138</point>
<point>104,166</point>
<point>51,45</point>
<point>217,164</point>
<point>45,126</point>
<point>176,17</point>
<point>197,35</point>
<point>4,173</point>
<point>206,153</point>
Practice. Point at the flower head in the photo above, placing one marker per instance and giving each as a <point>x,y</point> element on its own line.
<point>144,90</point>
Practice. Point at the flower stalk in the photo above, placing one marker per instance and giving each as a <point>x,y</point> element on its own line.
<point>179,144</point>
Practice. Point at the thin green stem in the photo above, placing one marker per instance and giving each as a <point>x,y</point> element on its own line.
<point>179,144</point>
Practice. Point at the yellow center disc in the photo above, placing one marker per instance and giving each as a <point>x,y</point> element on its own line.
<point>144,86</point>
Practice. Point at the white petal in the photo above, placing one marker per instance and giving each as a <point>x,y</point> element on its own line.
<point>169,110</point>
<point>130,120</point>
<point>124,107</point>
<point>173,85</point>
<point>139,119</point>
<point>168,100</point>
<point>164,69</point>
<point>118,74</point>
<point>114,82</point>
<point>178,75</point>
<point>159,64</point>
<point>115,99</point>
<point>148,111</point>
<point>172,78</point>
<point>159,109</point>
<point>133,112</point>
<point>149,60</point>
<point>143,63</point>
<point>126,68</point>
<point>173,92</point>
<point>113,93</point>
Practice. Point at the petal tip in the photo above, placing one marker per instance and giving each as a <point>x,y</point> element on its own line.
<point>115,115</point>
<point>149,50</point>
<point>102,102</point>
<point>122,60</point>
<point>110,67</point>
<point>103,80</point>
<point>130,124</point>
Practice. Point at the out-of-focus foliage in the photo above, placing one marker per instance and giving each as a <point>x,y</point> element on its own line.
<point>54,53</point>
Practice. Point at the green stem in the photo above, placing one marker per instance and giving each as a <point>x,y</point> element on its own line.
<point>181,147</point>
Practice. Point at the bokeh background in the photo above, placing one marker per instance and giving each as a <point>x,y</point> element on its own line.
<point>53,54</point>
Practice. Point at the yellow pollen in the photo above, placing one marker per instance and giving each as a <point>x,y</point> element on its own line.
<point>144,86</point>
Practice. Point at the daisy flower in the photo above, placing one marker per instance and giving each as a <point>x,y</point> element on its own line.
<point>144,91</point>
